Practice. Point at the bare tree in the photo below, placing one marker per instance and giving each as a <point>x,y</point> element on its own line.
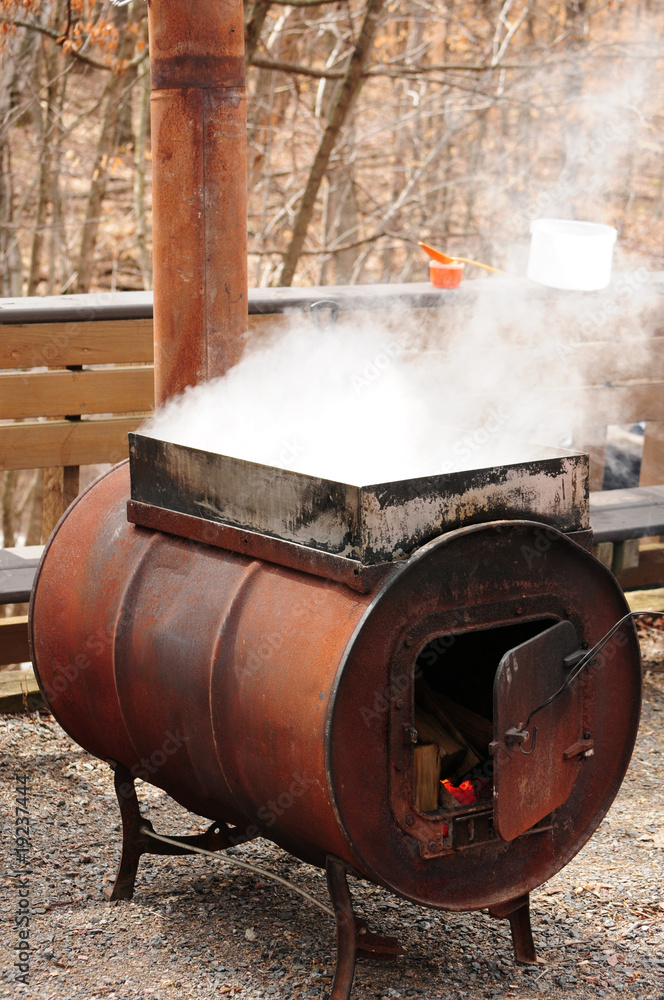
<point>371,125</point>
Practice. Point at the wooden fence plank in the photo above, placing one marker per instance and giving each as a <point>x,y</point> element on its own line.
<point>35,445</point>
<point>40,345</point>
<point>54,394</point>
<point>117,341</point>
<point>627,403</point>
<point>63,442</point>
<point>128,341</point>
<point>19,691</point>
<point>14,640</point>
<point>649,572</point>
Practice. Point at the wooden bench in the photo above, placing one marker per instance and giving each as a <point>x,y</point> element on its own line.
<point>620,519</point>
<point>76,375</point>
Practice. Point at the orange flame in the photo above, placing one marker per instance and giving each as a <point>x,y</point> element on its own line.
<point>463,793</point>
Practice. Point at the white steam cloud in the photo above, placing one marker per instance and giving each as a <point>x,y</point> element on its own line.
<point>393,394</point>
<point>374,400</point>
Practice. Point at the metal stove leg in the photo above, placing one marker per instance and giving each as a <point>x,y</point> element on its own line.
<point>517,911</point>
<point>136,841</point>
<point>133,841</point>
<point>346,929</point>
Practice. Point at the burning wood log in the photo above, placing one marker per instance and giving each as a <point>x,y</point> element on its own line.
<point>426,776</point>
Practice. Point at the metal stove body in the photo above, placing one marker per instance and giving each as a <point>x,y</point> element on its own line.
<point>289,670</point>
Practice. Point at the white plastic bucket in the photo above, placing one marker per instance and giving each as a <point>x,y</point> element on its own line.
<point>572,255</point>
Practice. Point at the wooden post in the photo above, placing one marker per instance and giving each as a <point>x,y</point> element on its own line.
<point>652,462</point>
<point>61,485</point>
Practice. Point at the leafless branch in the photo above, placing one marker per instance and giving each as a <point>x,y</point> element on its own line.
<point>42,29</point>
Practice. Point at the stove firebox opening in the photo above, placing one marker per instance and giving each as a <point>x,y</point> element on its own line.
<point>454,675</point>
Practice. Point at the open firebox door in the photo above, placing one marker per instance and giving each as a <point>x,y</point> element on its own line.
<point>539,737</point>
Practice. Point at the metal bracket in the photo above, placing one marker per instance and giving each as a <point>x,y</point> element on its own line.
<point>584,748</point>
<point>353,935</point>
<point>517,911</point>
<point>410,735</point>
<point>518,737</point>
<point>514,735</point>
<point>575,658</point>
<point>324,313</point>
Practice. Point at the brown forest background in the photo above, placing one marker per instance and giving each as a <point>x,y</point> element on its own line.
<point>372,124</point>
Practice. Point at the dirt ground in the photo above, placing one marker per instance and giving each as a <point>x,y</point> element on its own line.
<point>197,928</point>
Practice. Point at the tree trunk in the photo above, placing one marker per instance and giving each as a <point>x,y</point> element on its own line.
<point>253,25</point>
<point>19,58</point>
<point>341,222</point>
<point>348,92</point>
<point>49,124</point>
<point>113,99</point>
<point>140,151</point>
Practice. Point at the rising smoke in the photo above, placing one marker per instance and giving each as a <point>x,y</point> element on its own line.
<point>381,397</point>
<point>367,401</point>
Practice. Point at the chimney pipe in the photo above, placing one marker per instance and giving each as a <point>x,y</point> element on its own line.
<point>199,196</point>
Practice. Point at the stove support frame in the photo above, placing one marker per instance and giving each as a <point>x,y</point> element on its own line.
<point>136,841</point>
<point>517,911</point>
<point>353,935</point>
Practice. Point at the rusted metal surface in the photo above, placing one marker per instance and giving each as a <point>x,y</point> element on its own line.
<point>532,775</point>
<point>275,701</point>
<point>250,543</point>
<point>198,190</point>
<point>213,638</point>
<point>482,580</point>
<point>370,523</point>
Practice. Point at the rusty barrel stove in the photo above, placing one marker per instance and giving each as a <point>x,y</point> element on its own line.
<point>276,694</point>
<point>256,642</point>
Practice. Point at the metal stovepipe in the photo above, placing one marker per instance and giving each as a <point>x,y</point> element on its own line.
<point>198,190</point>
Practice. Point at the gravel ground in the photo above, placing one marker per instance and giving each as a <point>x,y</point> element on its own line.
<point>197,928</point>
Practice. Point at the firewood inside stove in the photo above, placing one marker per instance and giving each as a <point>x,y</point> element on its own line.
<point>475,728</point>
<point>452,741</point>
<point>426,776</point>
